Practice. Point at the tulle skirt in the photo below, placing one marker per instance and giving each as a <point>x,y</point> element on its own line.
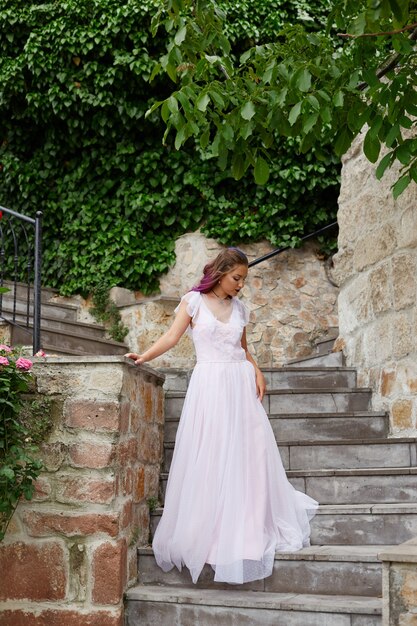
<point>228,501</point>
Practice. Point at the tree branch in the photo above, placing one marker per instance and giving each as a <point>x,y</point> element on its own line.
<point>380,34</point>
<point>391,63</point>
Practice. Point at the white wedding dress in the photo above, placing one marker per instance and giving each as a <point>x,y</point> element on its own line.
<point>228,501</point>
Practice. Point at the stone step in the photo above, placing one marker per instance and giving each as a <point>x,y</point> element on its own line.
<point>325,345</point>
<point>69,326</point>
<point>334,570</point>
<point>56,311</point>
<point>338,454</point>
<point>169,606</point>
<point>21,290</point>
<point>280,378</point>
<point>70,343</point>
<point>351,486</point>
<point>332,359</point>
<point>353,524</point>
<point>288,401</point>
<point>364,524</point>
<point>316,426</point>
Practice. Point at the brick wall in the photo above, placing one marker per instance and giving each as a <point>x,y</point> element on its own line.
<point>70,553</point>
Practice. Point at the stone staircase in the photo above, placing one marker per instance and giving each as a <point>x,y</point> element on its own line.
<point>338,451</point>
<point>61,331</point>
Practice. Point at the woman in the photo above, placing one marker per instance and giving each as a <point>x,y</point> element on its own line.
<point>228,501</point>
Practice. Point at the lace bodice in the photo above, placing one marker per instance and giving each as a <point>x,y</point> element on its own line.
<point>216,340</point>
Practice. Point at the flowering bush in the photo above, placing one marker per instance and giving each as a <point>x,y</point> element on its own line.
<point>18,468</point>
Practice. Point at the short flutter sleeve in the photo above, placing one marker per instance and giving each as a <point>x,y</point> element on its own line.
<point>193,300</point>
<point>244,312</point>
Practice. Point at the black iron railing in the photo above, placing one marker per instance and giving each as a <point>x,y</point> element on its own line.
<point>317,233</point>
<point>20,267</point>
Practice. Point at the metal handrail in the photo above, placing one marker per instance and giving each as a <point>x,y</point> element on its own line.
<point>265,257</point>
<point>36,267</point>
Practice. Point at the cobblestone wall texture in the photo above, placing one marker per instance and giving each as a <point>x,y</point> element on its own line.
<point>291,300</point>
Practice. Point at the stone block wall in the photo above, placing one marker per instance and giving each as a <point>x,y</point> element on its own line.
<point>291,300</point>
<point>376,268</point>
<point>399,583</point>
<point>5,334</point>
<point>70,553</point>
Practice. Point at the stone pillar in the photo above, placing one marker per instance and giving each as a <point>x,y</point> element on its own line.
<point>376,269</point>
<point>399,585</point>
<point>70,553</point>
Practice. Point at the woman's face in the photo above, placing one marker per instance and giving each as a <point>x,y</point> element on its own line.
<point>234,280</point>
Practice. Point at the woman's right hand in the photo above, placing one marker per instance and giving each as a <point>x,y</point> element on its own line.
<point>137,358</point>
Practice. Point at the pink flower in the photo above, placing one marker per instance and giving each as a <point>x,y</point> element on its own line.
<point>23,364</point>
<point>4,360</point>
<point>4,348</point>
<point>40,353</point>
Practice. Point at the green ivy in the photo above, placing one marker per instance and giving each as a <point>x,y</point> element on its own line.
<point>106,311</point>
<point>75,83</point>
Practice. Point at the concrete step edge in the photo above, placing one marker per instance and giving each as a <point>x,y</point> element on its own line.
<point>55,331</point>
<point>310,357</point>
<point>351,471</point>
<point>334,553</point>
<point>54,350</point>
<point>333,442</point>
<point>293,391</point>
<point>406,508</point>
<point>285,368</point>
<point>7,299</point>
<point>50,318</point>
<point>255,599</point>
<point>327,338</point>
<point>344,415</point>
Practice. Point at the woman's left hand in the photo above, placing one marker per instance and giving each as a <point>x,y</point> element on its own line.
<point>260,385</point>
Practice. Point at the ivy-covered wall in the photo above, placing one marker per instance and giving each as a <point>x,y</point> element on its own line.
<point>74,143</point>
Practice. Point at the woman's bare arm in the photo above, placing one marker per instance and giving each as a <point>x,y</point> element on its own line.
<point>168,340</point>
<point>259,377</point>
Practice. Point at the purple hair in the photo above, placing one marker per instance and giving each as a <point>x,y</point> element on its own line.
<point>223,263</point>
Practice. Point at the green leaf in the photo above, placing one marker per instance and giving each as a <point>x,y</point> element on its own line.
<point>7,472</point>
<point>202,102</point>
<point>382,165</point>
<point>217,99</point>
<point>401,184</point>
<point>204,139</point>
<point>314,102</point>
<point>248,111</point>
<point>326,114</point>
<point>180,137</point>
<point>371,147</point>
<point>338,99</point>
<point>245,56</point>
<point>180,36</point>
<point>294,113</point>
<point>238,166</point>
<point>310,122</point>
<point>261,171</point>
<point>302,79</point>
<point>343,140</point>
<point>172,104</point>
<point>396,9</point>
<point>403,153</point>
<point>393,134</point>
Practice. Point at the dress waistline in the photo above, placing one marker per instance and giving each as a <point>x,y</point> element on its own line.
<point>201,361</point>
